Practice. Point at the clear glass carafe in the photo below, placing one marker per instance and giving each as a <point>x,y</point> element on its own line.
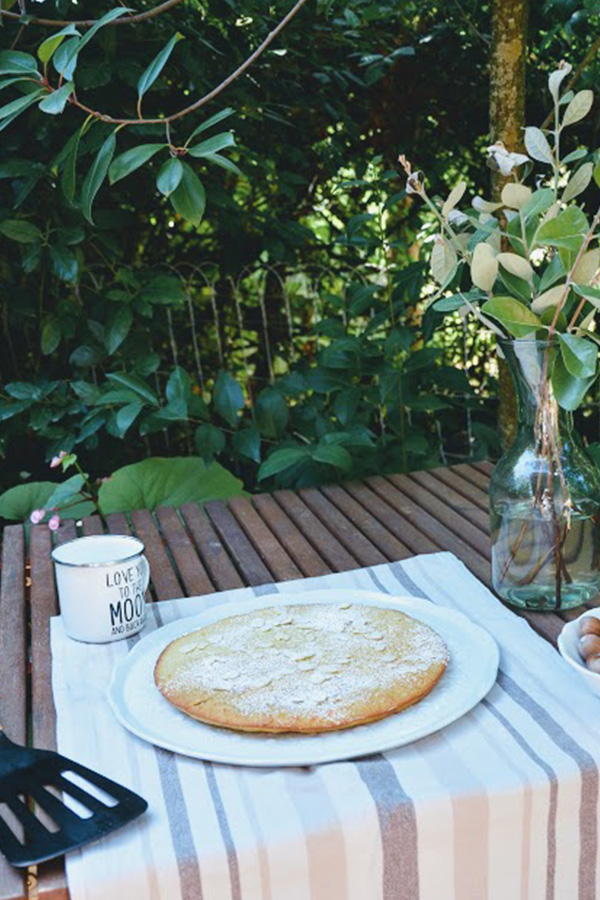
<point>544,496</point>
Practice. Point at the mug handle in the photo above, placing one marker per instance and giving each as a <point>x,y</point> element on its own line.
<point>146,573</point>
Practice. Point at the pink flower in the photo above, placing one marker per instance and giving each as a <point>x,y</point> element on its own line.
<point>56,460</point>
<point>37,515</point>
<point>54,522</point>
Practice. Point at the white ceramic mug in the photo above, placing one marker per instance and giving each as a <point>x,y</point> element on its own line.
<point>102,581</point>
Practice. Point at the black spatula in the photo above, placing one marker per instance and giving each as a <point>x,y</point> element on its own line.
<point>26,773</point>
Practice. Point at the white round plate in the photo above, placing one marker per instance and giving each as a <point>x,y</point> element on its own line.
<point>139,706</point>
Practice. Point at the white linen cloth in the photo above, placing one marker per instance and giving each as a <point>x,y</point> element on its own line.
<point>501,805</point>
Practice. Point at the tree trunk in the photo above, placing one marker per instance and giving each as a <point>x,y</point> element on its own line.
<point>507,120</point>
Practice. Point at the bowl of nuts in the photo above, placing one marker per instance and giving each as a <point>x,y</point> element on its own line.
<point>579,644</point>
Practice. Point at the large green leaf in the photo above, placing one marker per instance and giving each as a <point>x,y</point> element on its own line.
<point>517,318</point>
<point>280,460</point>
<point>189,200</point>
<point>569,390</point>
<point>567,230</point>
<point>131,160</point>
<point>247,443</point>
<point>579,355</point>
<point>96,175</point>
<point>157,65</point>
<point>213,120</point>
<point>15,62</point>
<point>169,176</point>
<point>21,231</point>
<point>48,47</point>
<point>65,492</point>
<point>166,482</point>
<point>228,398</point>
<point>213,145</point>
<point>338,457</point>
<point>54,103</point>
<point>135,384</point>
<point>15,107</point>
<point>118,329</point>
<point>19,502</point>
<point>271,413</point>
<point>209,441</point>
<point>65,57</point>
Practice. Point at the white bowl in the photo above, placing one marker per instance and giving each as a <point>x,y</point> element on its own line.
<point>567,646</point>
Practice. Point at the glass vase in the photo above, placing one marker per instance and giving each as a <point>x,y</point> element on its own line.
<point>544,496</point>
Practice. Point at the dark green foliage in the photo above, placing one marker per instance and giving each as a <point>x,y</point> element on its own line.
<point>281,329</point>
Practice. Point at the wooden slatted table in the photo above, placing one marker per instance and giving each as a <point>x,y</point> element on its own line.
<point>247,541</point>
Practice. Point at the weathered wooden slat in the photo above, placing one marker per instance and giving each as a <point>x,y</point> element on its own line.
<point>302,552</point>
<point>91,525</point>
<point>448,495</point>
<point>474,476</point>
<point>118,524</point>
<point>193,574</point>
<point>449,478</point>
<point>361,547</point>
<point>416,540</point>
<point>456,521</point>
<point>52,884</point>
<point>222,571</point>
<point>237,544</point>
<point>328,546</point>
<point>485,466</point>
<point>13,669</point>
<point>442,536</point>
<point>271,551</point>
<point>366,523</point>
<point>164,580</point>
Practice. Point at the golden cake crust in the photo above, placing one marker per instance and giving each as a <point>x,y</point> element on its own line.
<point>302,668</point>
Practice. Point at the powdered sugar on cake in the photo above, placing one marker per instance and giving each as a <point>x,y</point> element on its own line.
<point>319,659</point>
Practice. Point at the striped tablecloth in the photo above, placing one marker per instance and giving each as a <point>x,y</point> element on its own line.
<point>502,805</point>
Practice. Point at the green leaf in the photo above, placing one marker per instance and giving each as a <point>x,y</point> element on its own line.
<point>65,492</point>
<point>579,356</point>
<point>21,231</point>
<point>19,502</point>
<point>127,416</point>
<point>597,173</point>
<point>157,65</point>
<point>179,389</point>
<point>247,443</point>
<point>169,176</point>
<point>14,62</point>
<point>281,460</point>
<point>135,384</point>
<point>517,318</point>
<point>166,482</point>
<point>214,120</point>
<point>48,47</point>
<point>54,103</point>
<point>573,157</point>
<point>578,108</point>
<point>23,390</point>
<point>228,398</point>
<point>189,200</point>
<point>333,456</point>
<point>591,294</point>
<point>69,172</point>
<point>569,390</point>
<point>210,441</point>
<point>538,203</point>
<point>96,175</point>
<point>51,336</point>
<point>16,107</point>
<point>118,329</point>
<point>271,413</point>
<point>566,230</point>
<point>223,162</point>
<point>64,263</point>
<point>451,304</point>
<point>213,145</point>
<point>346,403</point>
<point>131,160</point>
<point>65,58</point>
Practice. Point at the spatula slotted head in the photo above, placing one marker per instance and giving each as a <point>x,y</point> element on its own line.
<point>35,774</point>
